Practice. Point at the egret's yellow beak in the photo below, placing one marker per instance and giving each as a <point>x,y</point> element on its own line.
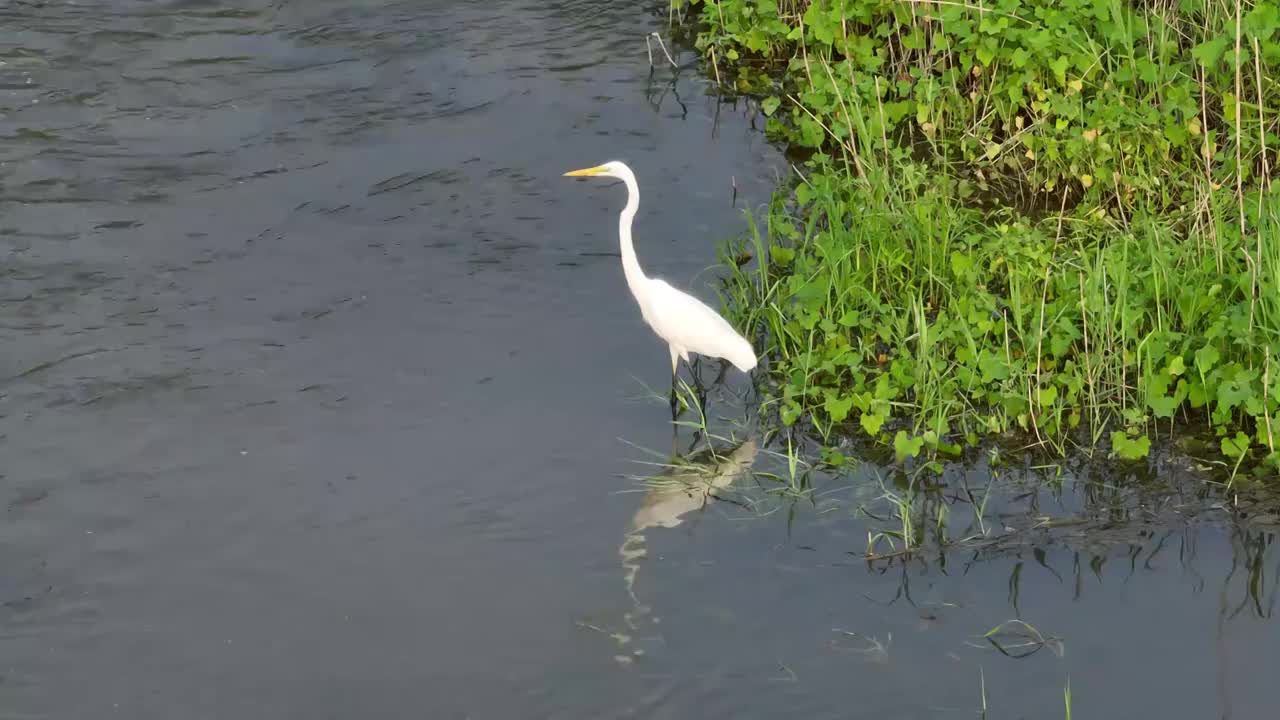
<point>586,172</point>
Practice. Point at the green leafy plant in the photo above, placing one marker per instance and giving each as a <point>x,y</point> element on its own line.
<point>1027,218</point>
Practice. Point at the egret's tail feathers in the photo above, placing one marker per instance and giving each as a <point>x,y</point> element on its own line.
<point>742,356</point>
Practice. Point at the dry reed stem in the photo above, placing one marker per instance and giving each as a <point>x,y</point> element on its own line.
<point>662,45</point>
<point>884,134</point>
<point>1035,401</point>
<point>857,159</point>
<point>1262,130</point>
<point>848,119</point>
<point>1253,267</point>
<point>1207,153</point>
<point>1088,363</point>
<point>976,8</point>
<point>816,119</point>
<point>1266,412</point>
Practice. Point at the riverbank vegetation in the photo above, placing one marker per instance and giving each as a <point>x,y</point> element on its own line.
<point>1049,220</point>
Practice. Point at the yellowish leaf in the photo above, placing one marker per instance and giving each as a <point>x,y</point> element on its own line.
<point>1229,107</point>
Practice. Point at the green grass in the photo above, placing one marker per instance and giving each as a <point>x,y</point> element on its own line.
<point>1045,221</point>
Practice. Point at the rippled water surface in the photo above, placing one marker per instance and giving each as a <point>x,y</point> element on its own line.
<point>318,387</point>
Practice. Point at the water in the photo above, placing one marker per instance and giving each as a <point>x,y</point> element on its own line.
<point>319,385</point>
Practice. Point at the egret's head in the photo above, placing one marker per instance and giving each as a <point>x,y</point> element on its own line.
<point>613,169</point>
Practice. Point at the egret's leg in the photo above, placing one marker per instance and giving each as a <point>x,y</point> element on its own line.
<point>675,360</point>
<point>695,369</point>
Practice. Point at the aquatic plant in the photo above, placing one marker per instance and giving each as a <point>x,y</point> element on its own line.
<point>1048,221</point>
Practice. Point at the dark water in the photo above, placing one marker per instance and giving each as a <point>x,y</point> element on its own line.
<point>318,385</point>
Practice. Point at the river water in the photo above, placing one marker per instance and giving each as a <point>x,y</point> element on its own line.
<point>321,394</point>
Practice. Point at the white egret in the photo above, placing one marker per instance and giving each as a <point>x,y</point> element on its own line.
<point>686,323</point>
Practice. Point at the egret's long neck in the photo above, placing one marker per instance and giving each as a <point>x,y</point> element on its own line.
<point>630,265</point>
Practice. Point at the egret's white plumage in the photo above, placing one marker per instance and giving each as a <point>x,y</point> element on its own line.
<point>686,323</point>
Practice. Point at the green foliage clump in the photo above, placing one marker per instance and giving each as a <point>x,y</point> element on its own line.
<point>1050,217</point>
<point>1048,100</point>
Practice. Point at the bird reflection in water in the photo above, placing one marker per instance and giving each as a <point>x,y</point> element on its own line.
<point>687,484</point>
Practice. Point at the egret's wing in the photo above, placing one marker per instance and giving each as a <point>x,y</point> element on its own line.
<point>687,322</point>
<point>683,319</point>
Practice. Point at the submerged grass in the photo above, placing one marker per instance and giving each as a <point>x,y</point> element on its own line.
<point>1046,221</point>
